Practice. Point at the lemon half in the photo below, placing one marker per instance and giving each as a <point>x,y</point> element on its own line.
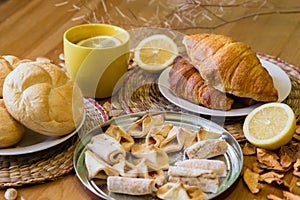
<point>270,126</point>
<point>155,53</point>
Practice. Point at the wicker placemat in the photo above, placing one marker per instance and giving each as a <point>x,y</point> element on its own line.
<point>140,92</point>
<point>49,164</point>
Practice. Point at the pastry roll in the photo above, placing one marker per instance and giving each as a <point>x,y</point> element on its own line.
<point>126,168</point>
<point>217,166</point>
<point>144,171</point>
<point>203,134</point>
<point>107,147</point>
<point>191,172</point>
<point>158,134</point>
<point>177,139</point>
<point>131,186</point>
<point>205,184</point>
<point>206,180</point>
<point>178,191</point>
<point>97,168</point>
<point>156,158</point>
<point>142,126</point>
<point>140,169</point>
<point>206,149</point>
<point>158,176</point>
<point>121,136</point>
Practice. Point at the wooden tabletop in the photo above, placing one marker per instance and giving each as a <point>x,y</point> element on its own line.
<point>34,28</point>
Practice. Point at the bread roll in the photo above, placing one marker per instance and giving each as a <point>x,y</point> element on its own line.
<point>5,69</point>
<point>7,64</point>
<point>43,98</point>
<point>14,60</point>
<point>11,131</point>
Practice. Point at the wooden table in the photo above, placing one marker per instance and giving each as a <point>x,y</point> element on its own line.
<point>34,28</point>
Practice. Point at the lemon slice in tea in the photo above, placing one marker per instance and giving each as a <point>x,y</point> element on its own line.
<point>101,41</point>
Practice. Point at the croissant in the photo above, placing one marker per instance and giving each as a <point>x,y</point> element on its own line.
<point>230,66</point>
<point>186,82</point>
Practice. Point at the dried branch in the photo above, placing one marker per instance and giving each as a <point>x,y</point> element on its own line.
<point>178,14</point>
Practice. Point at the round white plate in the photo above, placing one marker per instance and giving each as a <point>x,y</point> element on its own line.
<point>281,82</point>
<point>34,142</point>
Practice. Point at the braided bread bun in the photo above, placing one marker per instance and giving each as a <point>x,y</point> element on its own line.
<point>43,98</point>
<point>14,60</point>
<point>7,64</point>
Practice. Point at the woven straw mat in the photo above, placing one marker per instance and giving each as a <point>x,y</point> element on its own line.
<point>140,92</point>
<point>49,164</point>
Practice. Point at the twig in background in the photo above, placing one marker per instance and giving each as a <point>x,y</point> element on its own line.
<point>61,3</point>
<point>177,14</point>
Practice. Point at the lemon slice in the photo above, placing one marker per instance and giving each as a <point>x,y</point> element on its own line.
<point>270,126</point>
<point>155,53</point>
<point>101,41</point>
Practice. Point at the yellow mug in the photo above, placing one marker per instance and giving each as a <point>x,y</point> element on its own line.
<point>96,57</point>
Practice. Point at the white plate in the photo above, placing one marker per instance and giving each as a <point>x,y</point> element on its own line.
<point>281,82</point>
<point>34,142</point>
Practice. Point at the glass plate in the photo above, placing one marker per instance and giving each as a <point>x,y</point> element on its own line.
<point>233,157</point>
<point>281,81</point>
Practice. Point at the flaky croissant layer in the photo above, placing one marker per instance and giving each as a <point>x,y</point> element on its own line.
<point>230,66</point>
<point>186,82</point>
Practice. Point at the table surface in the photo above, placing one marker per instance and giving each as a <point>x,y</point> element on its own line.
<point>34,28</point>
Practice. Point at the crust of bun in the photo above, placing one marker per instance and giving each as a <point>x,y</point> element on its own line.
<point>5,69</point>
<point>11,131</point>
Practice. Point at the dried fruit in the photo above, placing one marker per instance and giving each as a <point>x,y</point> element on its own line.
<point>269,158</point>
<point>249,149</point>
<point>296,166</point>
<point>251,179</point>
<point>297,129</point>
<point>271,176</point>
